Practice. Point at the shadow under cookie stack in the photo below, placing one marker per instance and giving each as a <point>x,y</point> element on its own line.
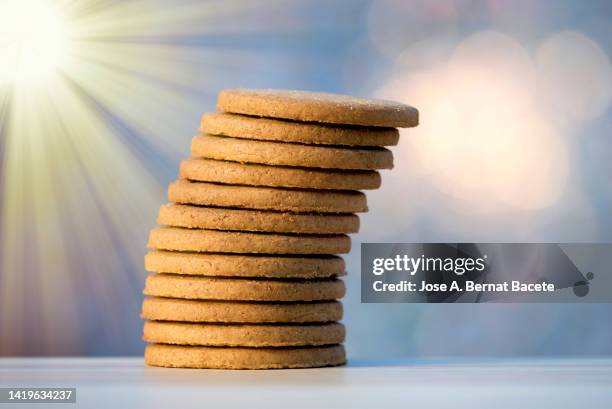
<point>245,266</point>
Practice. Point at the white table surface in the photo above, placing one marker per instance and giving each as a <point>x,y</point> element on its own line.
<point>419,384</point>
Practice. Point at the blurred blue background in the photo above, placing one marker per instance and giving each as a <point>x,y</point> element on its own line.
<point>514,145</point>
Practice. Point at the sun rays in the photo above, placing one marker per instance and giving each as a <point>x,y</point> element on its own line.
<point>89,132</point>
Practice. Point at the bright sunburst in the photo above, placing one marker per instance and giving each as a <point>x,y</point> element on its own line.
<point>34,37</point>
<point>98,101</point>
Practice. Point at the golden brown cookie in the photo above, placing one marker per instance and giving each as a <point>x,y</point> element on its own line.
<point>219,218</point>
<point>317,107</point>
<point>267,198</point>
<point>176,356</point>
<point>243,335</point>
<point>242,289</point>
<point>290,154</point>
<point>216,241</point>
<point>175,309</point>
<point>249,127</point>
<point>219,171</point>
<point>244,265</point>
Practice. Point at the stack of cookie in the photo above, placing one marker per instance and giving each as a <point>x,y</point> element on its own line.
<point>246,262</point>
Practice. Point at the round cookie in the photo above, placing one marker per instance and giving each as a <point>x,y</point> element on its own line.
<point>290,154</point>
<point>243,335</point>
<point>220,171</point>
<point>174,309</point>
<point>266,198</point>
<point>243,265</point>
<point>317,107</point>
<point>218,218</point>
<point>242,289</point>
<point>216,241</point>
<point>249,127</point>
<point>176,356</point>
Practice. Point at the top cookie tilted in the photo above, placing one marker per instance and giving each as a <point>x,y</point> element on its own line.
<point>317,107</point>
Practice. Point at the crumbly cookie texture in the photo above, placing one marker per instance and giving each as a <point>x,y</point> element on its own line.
<point>176,356</point>
<point>249,127</point>
<point>219,218</point>
<point>267,198</point>
<point>182,310</point>
<point>217,241</point>
<point>243,335</point>
<point>220,171</point>
<point>290,154</point>
<point>242,289</point>
<point>244,265</point>
<point>317,107</point>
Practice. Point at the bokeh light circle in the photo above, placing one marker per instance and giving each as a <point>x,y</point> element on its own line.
<point>482,139</point>
<point>394,25</point>
<point>576,76</point>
